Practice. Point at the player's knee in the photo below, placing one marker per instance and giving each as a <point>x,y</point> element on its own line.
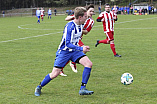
<point>89,64</point>
<point>112,41</point>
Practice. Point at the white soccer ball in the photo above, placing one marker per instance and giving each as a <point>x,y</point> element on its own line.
<point>126,78</point>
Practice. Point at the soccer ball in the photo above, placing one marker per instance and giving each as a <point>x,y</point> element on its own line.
<point>126,78</point>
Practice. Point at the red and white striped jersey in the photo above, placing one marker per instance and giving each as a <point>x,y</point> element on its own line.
<point>42,12</point>
<point>88,24</point>
<point>107,20</point>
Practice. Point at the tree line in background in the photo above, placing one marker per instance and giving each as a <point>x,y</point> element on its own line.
<point>11,4</point>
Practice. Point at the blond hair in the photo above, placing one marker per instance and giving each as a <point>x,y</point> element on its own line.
<point>79,11</point>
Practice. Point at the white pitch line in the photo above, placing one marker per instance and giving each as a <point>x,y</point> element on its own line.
<point>61,31</point>
<point>129,21</point>
<point>130,28</point>
<point>139,28</point>
<point>135,20</point>
<point>20,27</point>
<point>28,37</point>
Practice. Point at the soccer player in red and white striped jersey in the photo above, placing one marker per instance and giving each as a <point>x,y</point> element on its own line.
<point>88,23</point>
<point>42,13</point>
<point>108,19</point>
<point>86,29</point>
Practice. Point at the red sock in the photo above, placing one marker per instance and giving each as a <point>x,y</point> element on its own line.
<point>103,41</point>
<point>113,48</point>
<point>73,63</point>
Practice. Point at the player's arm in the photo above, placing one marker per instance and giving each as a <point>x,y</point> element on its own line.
<point>71,46</point>
<point>69,18</point>
<point>100,18</point>
<point>84,32</point>
<point>88,29</point>
<point>115,17</point>
<point>36,13</point>
<point>68,40</point>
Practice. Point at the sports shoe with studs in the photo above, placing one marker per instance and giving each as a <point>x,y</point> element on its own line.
<point>37,91</point>
<point>84,91</point>
<point>97,43</point>
<point>62,74</point>
<point>73,67</point>
<point>117,55</point>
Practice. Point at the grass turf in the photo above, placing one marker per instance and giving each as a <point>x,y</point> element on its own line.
<point>27,53</point>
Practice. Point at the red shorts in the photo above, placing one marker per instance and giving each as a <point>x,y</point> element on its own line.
<point>42,16</point>
<point>110,35</point>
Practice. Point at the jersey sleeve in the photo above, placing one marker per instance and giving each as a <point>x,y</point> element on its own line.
<point>100,16</point>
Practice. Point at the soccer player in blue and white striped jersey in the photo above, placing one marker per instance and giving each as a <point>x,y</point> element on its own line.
<point>38,15</point>
<point>49,12</point>
<point>69,50</point>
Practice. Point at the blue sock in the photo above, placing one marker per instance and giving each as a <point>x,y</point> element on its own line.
<point>46,80</point>
<point>85,76</point>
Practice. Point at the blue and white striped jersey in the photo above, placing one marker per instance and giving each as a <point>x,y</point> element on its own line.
<point>37,12</point>
<point>71,35</point>
<point>49,11</point>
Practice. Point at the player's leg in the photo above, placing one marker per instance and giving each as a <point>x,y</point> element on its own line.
<point>112,45</point>
<point>60,61</point>
<point>61,72</point>
<point>85,76</point>
<point>73,64</point>
<point>105,41</point>
<point>42,17</point>
<point>55,72</point>
<point>38,19</point>
<point>81,58</point>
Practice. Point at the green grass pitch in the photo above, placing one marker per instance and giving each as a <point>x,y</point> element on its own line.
<point>27,53</point>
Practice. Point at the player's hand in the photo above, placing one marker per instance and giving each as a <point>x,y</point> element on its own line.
<point>114,17</point>
<point>86,49</point>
